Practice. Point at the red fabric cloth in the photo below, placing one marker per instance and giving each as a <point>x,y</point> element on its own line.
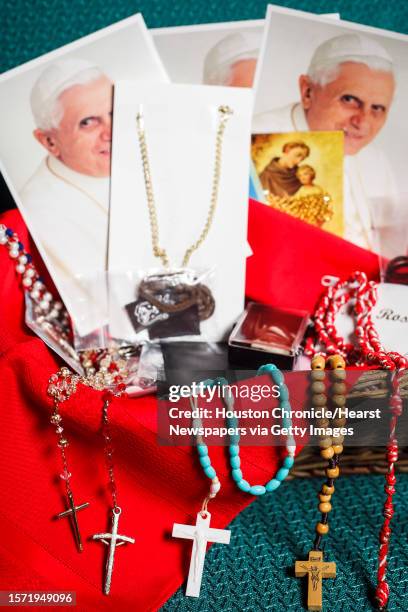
<point>290,257</point>
<point>157,485</point>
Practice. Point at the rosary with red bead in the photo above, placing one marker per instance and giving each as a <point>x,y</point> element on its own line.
<point>60,388</point>
<point>368,351</point>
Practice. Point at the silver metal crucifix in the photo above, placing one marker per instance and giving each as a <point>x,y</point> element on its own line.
<point>112,540</point>
<point>200,533</point>
<point>71,513</point>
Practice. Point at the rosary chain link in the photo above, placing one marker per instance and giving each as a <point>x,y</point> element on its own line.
<point>109,453</point>
<point>224,113</point>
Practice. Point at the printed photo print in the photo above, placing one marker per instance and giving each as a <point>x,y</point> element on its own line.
<point>301,173</point>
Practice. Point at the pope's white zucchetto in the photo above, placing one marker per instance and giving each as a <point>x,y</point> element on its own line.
<point>352,47</point>
<point>52,82</point>
<point>229,50</point>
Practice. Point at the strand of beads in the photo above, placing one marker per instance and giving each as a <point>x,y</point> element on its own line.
<point>53,318</point>
<point>235,460</point>
<point>60,387</point>
<point>363,294</point>
<point>331,448</point>
<point>205,461</point>
<point>383,591</point>
<point>30,278</point>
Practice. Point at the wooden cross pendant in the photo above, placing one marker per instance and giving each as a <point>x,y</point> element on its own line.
<point>200,533</point>
<point>316,569</point>
<point>71,513</point>
<point>112,540</point>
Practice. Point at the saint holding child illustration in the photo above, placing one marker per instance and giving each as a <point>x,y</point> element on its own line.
<point>289,184</point>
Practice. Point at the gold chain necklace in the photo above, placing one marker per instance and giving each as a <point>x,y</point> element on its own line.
<point>224,112</point>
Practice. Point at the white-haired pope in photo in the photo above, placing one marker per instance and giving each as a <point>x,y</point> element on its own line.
<point>67,198</point>
<point>232,61</point>
<point>349,86</point>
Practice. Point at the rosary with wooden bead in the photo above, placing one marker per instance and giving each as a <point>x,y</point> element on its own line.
<point>361,294</point>
<point>331,448</point>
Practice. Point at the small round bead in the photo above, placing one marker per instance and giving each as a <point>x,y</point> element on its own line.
<point>318,375</point>
<point>318,362</point>
<point>13,253</point>
<point>338,440</point>
<point>27,282</point>
<point>202,450</point>
<point>324,498</point>
<point>257,490</point>
<point>235,462</point>
<point>63,442</point>
<point>281,474</point>
<point>325,443</point>
<point>272,485</point>
<point>322,423</point>
<point>205,461</point>
<point>338,448</point>
<point>332,472</point>
<point>322,528</point>
<point>283,392</point>
<point>328,490</point>
<point>210,472</point>
<point>243,485</point>
<point>327,453</point>
<point>339,422</point>
<point>291,447</point>
<point>288,462</point>
<point>339,400</point>
<point>214,488</point>
<point>277,376</point>
<point>325,507</point>
<point>318,387</point>
<point>339,387</point>
<point>234,439</point>
<point>20,268</point>
<point>234,450</point>
<point>236,475</point>
<point>336,362</point>
<point>339,374</point>
<point>319,400</point>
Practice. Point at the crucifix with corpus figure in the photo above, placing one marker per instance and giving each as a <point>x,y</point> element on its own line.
<point>316,569</point>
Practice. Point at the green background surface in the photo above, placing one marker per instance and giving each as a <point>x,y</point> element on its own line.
<point>31,28</point>
<point>255,572</point>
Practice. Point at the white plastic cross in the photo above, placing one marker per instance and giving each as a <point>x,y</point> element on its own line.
<point>200,533</point>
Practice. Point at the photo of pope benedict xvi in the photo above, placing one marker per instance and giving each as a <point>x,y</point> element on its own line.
<point>67,197</point>
<point>349,86</point>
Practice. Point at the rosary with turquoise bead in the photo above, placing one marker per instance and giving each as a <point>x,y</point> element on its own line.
<point>235,460</point>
